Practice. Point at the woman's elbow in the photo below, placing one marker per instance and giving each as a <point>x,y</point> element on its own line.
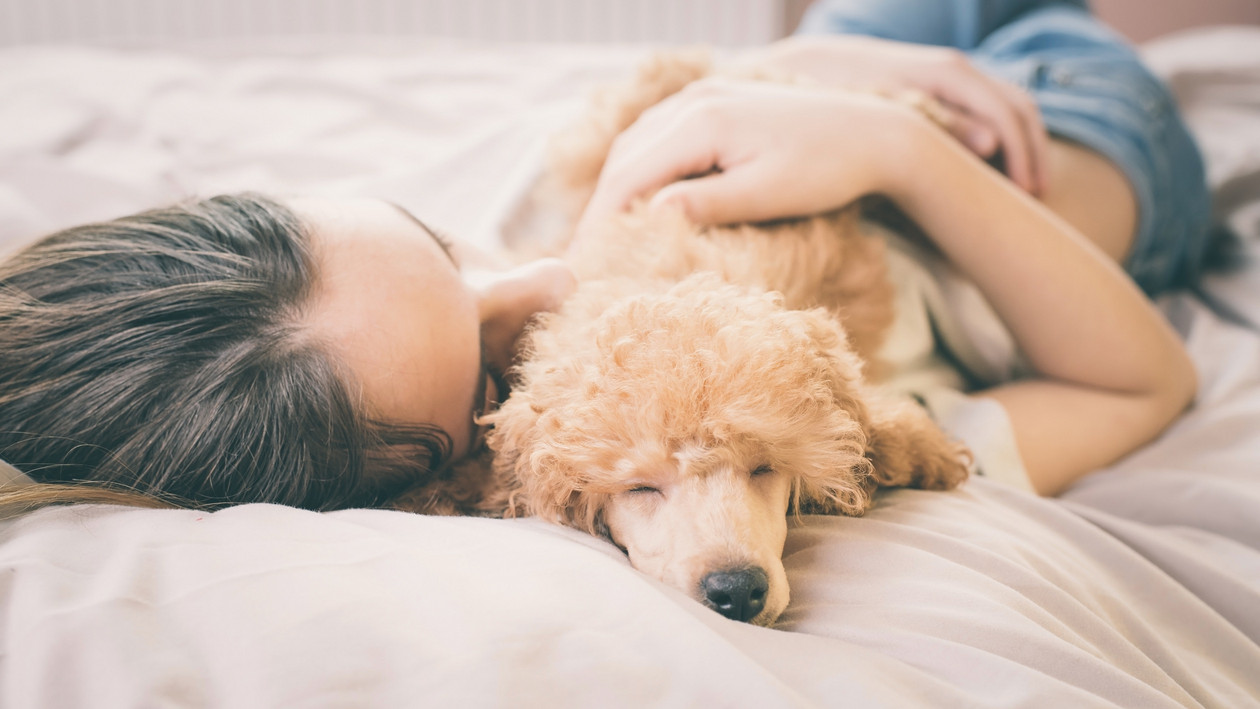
<point>1188,383</point>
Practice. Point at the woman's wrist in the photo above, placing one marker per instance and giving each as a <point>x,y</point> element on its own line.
<point>914,154</point>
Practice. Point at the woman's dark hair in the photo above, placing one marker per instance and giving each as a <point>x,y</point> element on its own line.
<point>163,353</point>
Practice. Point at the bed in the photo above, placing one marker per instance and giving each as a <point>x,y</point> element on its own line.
<point>1139,587</point>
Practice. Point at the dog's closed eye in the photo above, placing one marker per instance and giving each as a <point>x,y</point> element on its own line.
<point>762,470</point>
<point>643,490</point>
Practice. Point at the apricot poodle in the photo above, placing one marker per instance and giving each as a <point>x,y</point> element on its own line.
<point>703,384</point>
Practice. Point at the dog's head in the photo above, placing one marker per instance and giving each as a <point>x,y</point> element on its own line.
<point>684,423</point>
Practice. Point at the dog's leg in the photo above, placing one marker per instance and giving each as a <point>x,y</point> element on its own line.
<point>907,449</point>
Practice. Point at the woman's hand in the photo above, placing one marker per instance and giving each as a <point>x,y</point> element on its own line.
<point>755,151</point>
<point>984,113</point>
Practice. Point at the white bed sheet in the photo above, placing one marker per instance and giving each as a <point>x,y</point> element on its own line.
<point>1140,588</point>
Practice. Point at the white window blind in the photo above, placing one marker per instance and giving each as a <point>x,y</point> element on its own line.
<point>721,22</point>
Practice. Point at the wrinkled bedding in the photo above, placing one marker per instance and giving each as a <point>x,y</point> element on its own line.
<point>1140,587</point>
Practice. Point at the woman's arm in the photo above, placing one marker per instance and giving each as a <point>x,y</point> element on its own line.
<point>1113,375</point>
<point>986,114</point>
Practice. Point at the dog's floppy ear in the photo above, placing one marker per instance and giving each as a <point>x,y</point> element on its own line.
<point>463,489</point>
<point>513,438</point>
<point>841,483</point>
<point>900,446</point>
<point>533,473</point>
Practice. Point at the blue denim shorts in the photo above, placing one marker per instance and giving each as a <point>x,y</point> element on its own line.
<point>1092,89</point>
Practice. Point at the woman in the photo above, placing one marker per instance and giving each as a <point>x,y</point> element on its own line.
<point>238,350</point>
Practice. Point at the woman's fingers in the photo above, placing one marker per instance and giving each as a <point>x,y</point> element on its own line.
<point>986,108</point>
<point>990,114</point>
<point>976,95</point>
<point>736,195</point>
<point>749,151</point>
<point>1010,114</point>
<point>972,132</point>
<point>647,157</point>
<point>1035,129</point>
<point>1026,164</point>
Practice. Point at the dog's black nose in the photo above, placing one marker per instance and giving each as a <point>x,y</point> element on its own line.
<point>738,594</point>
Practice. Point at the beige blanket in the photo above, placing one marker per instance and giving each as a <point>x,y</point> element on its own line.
<point>1140,588</point>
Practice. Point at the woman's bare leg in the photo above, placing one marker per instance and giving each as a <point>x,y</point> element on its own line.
<point>1093,195</point>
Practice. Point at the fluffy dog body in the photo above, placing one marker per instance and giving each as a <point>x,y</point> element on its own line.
<point>828,261</point>
<point>703,384</point>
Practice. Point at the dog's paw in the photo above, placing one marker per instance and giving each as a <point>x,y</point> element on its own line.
<point>907,449</point>
<point>944,468</point>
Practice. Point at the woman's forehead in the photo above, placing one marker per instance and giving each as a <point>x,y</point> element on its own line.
<point>393,307</point>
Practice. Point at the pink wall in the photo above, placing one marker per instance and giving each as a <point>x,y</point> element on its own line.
<point>1141,20</point>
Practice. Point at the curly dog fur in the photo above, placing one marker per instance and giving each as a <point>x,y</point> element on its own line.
<point>703,384</point>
